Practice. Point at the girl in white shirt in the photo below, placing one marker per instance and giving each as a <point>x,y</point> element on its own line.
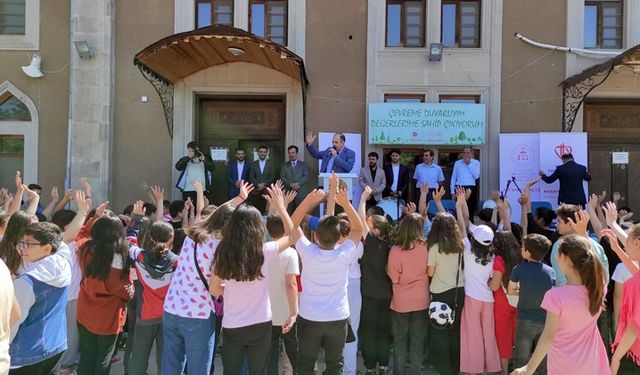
<point>239,273</point>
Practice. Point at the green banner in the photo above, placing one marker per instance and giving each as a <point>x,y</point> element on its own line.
<point>427,123</point>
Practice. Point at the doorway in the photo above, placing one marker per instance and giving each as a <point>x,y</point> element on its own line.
<point>226,123</point>
<point>412,156</point>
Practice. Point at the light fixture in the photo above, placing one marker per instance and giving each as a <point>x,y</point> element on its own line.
<point>435,52</point>
<point>83,48</point>
<point>33,69</point>
<point>235,51</point>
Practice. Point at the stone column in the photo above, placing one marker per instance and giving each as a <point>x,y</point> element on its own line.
<point>91,96</point>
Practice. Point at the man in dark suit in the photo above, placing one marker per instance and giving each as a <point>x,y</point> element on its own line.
<point>261,175</point>
<point>397,177</point>
<point>294,175</point>
<point>337,158</point>
<point>236,171</point>
<point>571,176</point>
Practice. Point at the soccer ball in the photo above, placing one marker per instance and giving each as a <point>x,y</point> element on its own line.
<point>440,314</point>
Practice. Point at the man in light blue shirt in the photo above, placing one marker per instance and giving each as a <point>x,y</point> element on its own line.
<point>428,172</point>
<point>465,173</point>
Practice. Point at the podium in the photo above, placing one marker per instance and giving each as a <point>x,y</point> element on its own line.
<point>350,179</point>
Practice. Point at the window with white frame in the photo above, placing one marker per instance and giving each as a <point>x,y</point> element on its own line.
<point>269,19</point>
<point>19,24</point>
<point>603,23</point>
<point>211,12</point>
<point>460,23</point>
<point>405,26</point>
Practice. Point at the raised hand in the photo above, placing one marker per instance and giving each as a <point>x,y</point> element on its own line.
<point>279,184</point>
<point>601,197</point>
<point>30,193</point>
<point>18,181</point>
<point>334,181</point>
<point>85,186</point>
<point>439,194</point>
<point>54,194</point>
<point>580,224</point>
<point>495,196</point>
<point>100,209</point>
<point>366,193</point>
<point>289,197</point>
<point>68,195</point>
<point>593,202</point>
<point>310,138</point>
<point>467,194</point>
<point>410,208</point>
<point>610,213</point>
<point>424,188</point>
<point>613,240</point>
<point>197,185</point>
<point>460,197</point>
<point>523,199</point>
<point>138,208</point>
<point>342,198</point>
<point>157,192</point>
<point>316,196</point>
<point>81,201</point>
<point>245,189</point>
<point>275,197</point>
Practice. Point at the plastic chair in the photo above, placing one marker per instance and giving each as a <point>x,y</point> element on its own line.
<point>448,204</point>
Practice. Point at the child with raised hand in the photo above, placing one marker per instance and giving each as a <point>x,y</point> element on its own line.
<point>626,356</point>
<point>155,265</point>
<point>570,339</point>
<point>104,292</point>
<point>530,280</point>
<point>239,273</point>
<point>407,269</point>
<point>478,346</point>
<point>324,307</point>
<point>506,257</point>
<point>375,317</point>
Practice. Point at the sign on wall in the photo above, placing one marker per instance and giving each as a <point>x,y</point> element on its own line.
<point>427,123</point>
<point>523,155</point>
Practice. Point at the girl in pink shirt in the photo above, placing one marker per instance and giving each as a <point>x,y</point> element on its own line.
<point>239,272</point>
<point>626,356</point>
<point>407,269</point>
<point>570,338</point>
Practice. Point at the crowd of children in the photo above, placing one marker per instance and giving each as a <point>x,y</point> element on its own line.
<point>440,291</point>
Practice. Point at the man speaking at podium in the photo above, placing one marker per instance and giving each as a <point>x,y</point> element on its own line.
<point>337,158</point>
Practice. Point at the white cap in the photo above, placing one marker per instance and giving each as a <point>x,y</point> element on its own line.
<point>483,234</point>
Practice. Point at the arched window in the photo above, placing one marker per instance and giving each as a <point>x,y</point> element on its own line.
<point>18,136</point>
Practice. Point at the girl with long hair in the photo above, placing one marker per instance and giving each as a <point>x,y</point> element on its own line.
<point>240,271</point>
<point>478,346</point>
<point>105,289</point>
<point>506,256</point>
<point>189,322</point>
<point>17,225</point>
<point>155,265</point>
<point>444,263</point>
<point>570,339</point>
<point>375,318</point>
<point>407,269</point>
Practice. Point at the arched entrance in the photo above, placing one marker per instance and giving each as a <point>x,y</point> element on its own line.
<point>18,135</point>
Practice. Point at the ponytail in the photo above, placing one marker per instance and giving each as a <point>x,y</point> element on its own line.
<point>158,240</point>
<point>586,263</point>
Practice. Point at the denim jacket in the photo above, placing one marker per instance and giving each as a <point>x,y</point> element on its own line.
<point>43,334</point>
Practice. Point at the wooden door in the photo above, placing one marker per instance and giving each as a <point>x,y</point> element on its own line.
<point>245,122</point>
<point>614,126</point>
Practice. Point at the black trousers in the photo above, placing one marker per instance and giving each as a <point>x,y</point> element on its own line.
<point>374,333</point>
<point>315,335</point>
<point>444,344</point>
<point>50,366</point>
<point>95,352</point>
<point>409,331</point>
<point>290,346</point>
<point>254,341</point>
